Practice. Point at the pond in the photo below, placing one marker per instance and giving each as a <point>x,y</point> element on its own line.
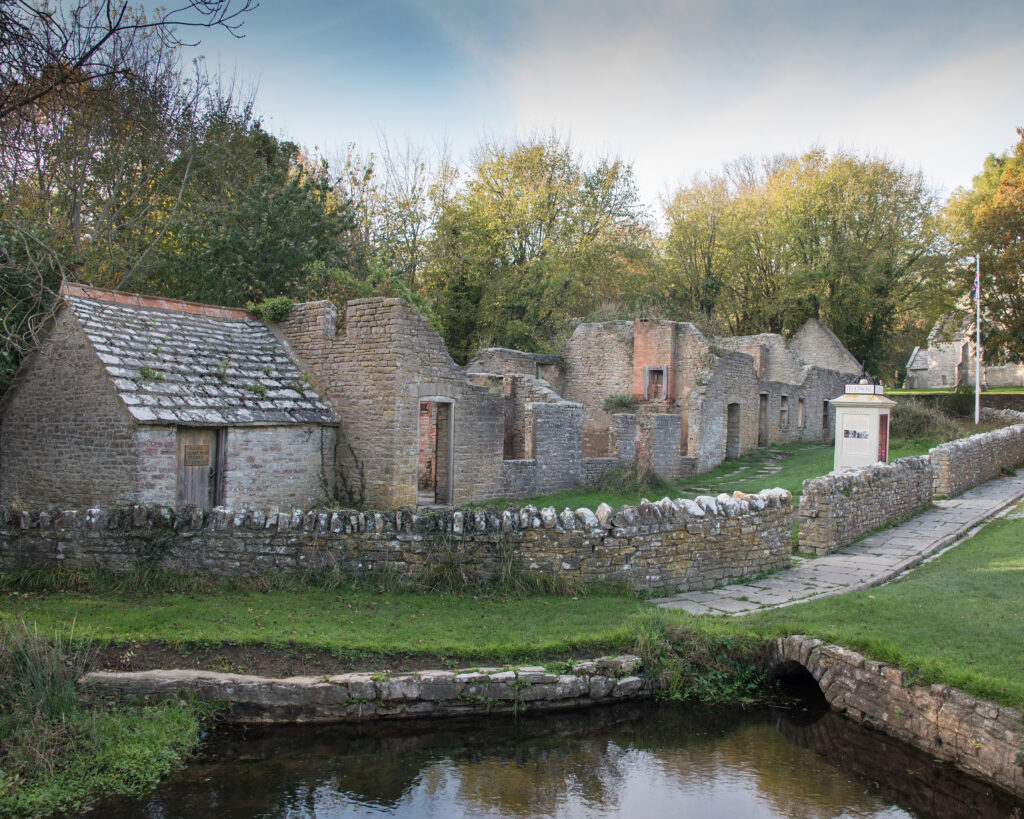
<point>630,760</point>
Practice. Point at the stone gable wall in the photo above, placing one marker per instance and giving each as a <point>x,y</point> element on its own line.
<point>818,346</point>
<point>599,363</point>
<point>375,375</point>
<point>669,544</point>
<point>961,464</point>
<point>66,436</point>
<point>839,508</point>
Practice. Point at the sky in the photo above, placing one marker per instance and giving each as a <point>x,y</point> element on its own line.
<point>673,87</point>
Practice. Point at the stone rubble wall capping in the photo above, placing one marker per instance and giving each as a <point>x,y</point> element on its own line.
<point>841,507</point>
<point>967,462</point>
<point>668,544</point>
<point>978,737</point>
<point>357,697</point>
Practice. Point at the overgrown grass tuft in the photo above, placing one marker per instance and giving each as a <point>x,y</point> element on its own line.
<point>634,477</point>
<point>57,754</point>
<point>694,663</point>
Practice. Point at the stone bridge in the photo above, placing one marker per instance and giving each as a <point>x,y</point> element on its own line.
<point>978,737</point>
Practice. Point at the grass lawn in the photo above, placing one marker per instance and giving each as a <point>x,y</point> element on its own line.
<point>958,620</point>
<point>351,625</point>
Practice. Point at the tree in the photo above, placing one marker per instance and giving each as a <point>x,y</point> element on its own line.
<point>46,48</point>
<point>988,220</point>
<point>850,240</point>
<point>532,239</point>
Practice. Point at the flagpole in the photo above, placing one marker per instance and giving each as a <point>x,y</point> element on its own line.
<point>977,340</point>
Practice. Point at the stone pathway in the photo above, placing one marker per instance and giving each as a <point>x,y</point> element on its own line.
<point>871,561</point>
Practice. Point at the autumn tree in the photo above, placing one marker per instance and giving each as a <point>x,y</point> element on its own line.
<point>988,219</point>
<point>532,238</point>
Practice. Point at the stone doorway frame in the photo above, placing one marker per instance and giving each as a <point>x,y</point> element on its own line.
<point>443,456</point>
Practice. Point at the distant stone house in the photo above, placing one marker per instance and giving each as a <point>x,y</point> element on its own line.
<point>948,361</point>
<point>133,399</point>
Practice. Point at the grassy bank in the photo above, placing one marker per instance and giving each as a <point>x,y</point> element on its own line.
<point>57,754</point>
<point>958,620</point>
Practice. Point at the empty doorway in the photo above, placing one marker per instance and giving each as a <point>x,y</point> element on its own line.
<point>732,431</point>
<point>434,462</point>
<point>762,421</point>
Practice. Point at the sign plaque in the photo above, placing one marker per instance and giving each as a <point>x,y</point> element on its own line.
<point>197,455</point>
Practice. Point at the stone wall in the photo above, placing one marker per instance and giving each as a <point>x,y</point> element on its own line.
<point>959,465</point>
<point>678,545</point>
<point>287,465</point>
<point>67,437</point>
<point>376,374</point>
<point>599,363</point>
<point>356,697</point>
<point>502,361</point>
<point>839,508</point>
<point>978,737</point>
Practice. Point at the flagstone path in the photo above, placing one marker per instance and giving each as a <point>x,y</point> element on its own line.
<point>871,561</point>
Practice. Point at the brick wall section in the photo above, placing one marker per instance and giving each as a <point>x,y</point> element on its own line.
<point>978,737</point>
<point>839,508</point>
<point>660,433</point>
<point>502,361</point>
<point>289,465</point>
<point>67,437</point>
<point>669,544</point>
<point>654,344</point>
<point>375,375</point>
<point>959,465</point>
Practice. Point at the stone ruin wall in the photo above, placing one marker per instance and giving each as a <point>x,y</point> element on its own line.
<point>678,545</point>
<point>375,374</point>
<point>598,363</point>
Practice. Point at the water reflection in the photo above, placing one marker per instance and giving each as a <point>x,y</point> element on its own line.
<point>632,760</point>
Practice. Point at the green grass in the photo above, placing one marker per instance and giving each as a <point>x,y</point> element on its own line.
<point>347,623</point>
<point>57,753</point>
<point>958,620</point>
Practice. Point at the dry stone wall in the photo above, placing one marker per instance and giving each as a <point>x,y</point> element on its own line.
<point>680,544</point>
<point>978,737</point>
<point>959,465</point>
<point>841,507</point>
<point>356,697</point>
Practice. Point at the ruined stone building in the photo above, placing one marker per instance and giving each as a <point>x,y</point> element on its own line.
<point>136,399</point>
<point>948,360</point>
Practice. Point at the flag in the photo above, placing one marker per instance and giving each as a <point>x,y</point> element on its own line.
<point>976,290</point>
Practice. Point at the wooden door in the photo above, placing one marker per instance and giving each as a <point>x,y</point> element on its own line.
<point>883,438</point>
<point>197,467</point>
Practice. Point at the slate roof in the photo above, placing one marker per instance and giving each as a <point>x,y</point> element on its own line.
<point>183,363</point>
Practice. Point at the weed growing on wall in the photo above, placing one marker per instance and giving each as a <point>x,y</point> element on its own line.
<point>620,402</point>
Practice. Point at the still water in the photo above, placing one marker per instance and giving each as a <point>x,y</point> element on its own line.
<point>632,760</point>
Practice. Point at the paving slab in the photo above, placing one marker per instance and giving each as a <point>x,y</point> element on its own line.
<point>872,561</point>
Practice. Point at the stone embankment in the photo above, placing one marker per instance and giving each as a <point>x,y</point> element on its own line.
<point>365,696</point>
<point>682,544</point>
<point>978,737</point>
<point>964,463</point>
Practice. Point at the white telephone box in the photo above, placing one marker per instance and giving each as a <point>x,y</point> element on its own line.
<point>862,426</point>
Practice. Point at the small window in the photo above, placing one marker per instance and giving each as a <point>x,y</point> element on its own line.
<point>801,421</point>
<point>654,383</point>
<point>784,411</point>
<point>824,416</point>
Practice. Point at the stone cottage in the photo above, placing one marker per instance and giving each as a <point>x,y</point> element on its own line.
<point>133,399</point>
<point>948,360</point>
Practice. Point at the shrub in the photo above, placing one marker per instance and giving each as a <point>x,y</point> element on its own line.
<point>272,309</point>
<point>914,420</point>
<point>633,477</point>
<point>620,402</point>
